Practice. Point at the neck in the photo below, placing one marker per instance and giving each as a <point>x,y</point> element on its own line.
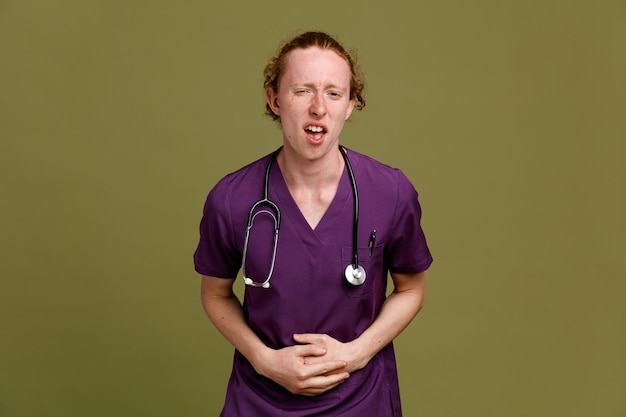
<point>311,174</point>
<point>312,183</point>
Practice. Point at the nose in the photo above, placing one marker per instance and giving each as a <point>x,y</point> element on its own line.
<point>318,106</point>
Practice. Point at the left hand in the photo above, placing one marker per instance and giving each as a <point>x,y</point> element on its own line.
<point>335,350</point>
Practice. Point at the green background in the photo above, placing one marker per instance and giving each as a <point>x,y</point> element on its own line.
<point>117,117</point>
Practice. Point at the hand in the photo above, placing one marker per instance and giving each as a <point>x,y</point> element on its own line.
<point>289,368</point>
<point>335,351</point>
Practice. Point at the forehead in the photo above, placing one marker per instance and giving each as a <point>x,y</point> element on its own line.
<point>318,66</point>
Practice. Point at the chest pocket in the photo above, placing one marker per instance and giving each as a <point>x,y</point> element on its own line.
<point>371,263</point>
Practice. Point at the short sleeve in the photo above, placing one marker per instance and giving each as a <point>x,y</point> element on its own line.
<point>408,251</point>
<point>217,254</point>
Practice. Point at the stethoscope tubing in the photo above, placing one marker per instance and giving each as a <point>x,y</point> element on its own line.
<point>354,273</point>
<point>355,223</point>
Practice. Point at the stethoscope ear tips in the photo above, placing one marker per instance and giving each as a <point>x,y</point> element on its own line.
<point>249,281</point>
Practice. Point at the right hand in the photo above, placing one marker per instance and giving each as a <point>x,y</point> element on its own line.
<point>287,368</point>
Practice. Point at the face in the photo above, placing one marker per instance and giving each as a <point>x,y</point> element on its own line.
<point>313,102</point>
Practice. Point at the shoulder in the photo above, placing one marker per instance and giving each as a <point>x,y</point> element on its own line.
<point>238,188</point>
<point>247,172</point>
<point>248,176</point>
<point>377,173</point>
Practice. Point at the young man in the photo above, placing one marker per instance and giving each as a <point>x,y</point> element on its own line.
<point>314,334</point>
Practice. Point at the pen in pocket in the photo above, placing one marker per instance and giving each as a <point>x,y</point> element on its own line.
<point>372,241</point>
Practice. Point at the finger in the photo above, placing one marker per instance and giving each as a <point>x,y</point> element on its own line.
<point>314,360</point>
<point>309,350</point>
<point>326,368</point>
<point>322,369</point>
<point>310,338</point>
<point>320,384</point>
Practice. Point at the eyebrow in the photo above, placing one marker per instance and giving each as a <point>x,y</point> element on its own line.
<point>328,87</point>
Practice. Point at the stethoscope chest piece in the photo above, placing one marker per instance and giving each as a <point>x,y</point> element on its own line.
<point>355,276</point>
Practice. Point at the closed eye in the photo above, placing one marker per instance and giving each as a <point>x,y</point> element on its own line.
<point>336,95</point>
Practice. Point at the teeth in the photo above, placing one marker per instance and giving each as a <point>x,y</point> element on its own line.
<point>315,129</point>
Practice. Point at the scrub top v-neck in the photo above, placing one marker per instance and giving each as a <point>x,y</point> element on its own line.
<point>308,292</point>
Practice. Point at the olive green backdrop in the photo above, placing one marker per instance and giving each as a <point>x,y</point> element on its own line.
<point>117,117</point>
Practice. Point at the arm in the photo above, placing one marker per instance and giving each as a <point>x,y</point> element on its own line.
<point>397,312</point>
<point>285,366</point>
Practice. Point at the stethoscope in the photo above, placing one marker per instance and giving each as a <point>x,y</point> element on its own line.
<point>354,273</point>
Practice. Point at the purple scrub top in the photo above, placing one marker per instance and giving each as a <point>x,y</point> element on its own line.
<point>308,292</point>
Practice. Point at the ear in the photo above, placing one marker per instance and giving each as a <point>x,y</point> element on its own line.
<point>272,100</point>
<point>350,108</point>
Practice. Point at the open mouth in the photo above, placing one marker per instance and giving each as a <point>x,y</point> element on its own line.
<point>316,132</point>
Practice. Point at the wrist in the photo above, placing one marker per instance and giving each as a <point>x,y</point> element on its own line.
<point>360,354</point>
<point>259,359</point>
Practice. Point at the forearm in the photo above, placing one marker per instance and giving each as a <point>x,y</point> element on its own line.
<point>226,313</point>
<point>397,312</point>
